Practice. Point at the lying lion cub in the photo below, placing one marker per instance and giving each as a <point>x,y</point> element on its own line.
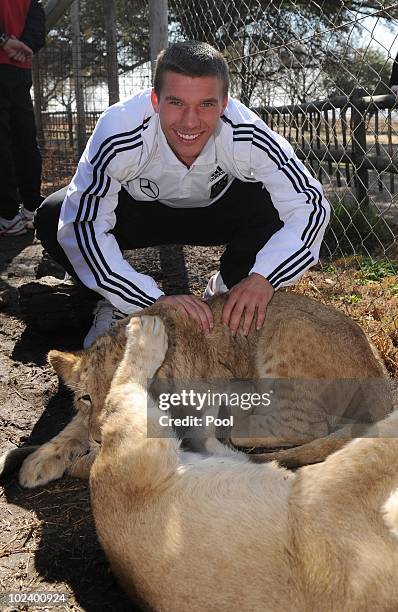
<point>301,340</point>
<point>187,532</point>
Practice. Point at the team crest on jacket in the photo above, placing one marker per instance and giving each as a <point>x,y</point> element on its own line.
<point>149,188</point>
<point>218,181</point>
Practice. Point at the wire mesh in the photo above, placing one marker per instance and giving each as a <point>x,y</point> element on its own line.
<point>55,79</point>
<point>284,55</point>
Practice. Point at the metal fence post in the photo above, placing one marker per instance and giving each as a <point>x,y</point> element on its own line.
<point>158,28</point>
<point>358,132</point>
<point>111,51</point>
<point>77,69</point>
<point>38,98</point>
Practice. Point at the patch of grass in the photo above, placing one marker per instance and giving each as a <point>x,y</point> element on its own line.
<point>329,269</point>
<point>371,270</point>
<point>351,298</point>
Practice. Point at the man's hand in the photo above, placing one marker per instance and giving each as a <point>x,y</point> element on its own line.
<point>250,298</point>
<point>193,306</point>
<point>17,50</point>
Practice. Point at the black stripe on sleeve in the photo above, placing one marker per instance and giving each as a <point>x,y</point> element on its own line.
<point>284,263</point>
<point>89,204</point>
<point>79,228</point>
<point>116,136</point>
<point>293,274</point>
<point>301,263</point>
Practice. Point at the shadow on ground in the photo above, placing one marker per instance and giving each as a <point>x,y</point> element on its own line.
<point>66,549</point>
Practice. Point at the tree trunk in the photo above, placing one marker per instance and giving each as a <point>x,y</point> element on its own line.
<point>158,29</point>
<point>111,51</point>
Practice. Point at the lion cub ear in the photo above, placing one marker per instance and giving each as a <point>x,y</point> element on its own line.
<point>65,364</point>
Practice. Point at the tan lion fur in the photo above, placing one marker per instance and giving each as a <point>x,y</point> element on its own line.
<point>187,532</point>
<point>301,339</point>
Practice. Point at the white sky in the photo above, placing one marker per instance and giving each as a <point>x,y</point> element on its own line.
<point>384,38</point>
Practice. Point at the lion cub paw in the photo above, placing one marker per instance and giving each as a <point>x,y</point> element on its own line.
<point>41,467</point>
<point>146,343</point>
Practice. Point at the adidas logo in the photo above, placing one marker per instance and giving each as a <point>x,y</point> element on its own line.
<point>218,172</point>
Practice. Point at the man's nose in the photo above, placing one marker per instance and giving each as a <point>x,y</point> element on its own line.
<point>190,118</point>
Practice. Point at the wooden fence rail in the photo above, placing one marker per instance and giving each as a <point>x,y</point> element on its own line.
<point>358,133</point>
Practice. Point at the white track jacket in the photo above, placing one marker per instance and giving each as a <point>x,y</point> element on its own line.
<point>128,149</point>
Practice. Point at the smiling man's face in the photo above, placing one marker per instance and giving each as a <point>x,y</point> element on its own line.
<point>189,109</point>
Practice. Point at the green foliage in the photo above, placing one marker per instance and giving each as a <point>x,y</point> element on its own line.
<point>329,269</point>
<point>56,57</point>
<point>351,298</point>
<point>354,230</point>
<point>243,28</point>
<point>349,69</point>
<point>375,270</point>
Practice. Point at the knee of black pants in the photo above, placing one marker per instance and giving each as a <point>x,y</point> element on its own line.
<point>47,217</point>
<point>46,225</point>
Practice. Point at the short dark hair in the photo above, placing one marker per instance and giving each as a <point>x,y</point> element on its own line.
<point>192,58</point>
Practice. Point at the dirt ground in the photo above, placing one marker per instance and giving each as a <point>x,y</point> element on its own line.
<point>47,536</point>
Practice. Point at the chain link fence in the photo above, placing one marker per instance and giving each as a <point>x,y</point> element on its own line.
<point>76,78</point>
<point>317,71</point>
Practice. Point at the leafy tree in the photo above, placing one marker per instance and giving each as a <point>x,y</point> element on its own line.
<point>275,48</point>
<point>263,39</point>
<point>366,68</point>
<point>56,58</point>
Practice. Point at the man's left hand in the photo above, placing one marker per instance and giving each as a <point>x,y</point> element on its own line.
<point>248,298</point>
<point>17,50</point>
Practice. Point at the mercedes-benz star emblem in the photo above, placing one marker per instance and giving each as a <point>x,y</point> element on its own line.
<point>149,188</point>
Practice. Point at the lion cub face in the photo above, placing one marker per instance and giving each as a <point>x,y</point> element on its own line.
<point>89,374</point>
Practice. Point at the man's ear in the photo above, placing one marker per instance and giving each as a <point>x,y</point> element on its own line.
<point>155,101</point>
<point>224,105</point>
<point>64,364</point>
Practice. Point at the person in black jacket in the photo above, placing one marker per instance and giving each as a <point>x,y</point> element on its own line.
<point>22,33</point>
<point>393,84</point>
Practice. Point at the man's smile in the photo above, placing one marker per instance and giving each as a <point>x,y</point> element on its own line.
<point>188,137</point>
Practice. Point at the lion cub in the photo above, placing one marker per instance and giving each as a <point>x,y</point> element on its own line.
<point>189,532</point>
<point>301,341</point>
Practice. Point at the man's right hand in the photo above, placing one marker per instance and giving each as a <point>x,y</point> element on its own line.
<point>193,306</point>
<point>17,50</point>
